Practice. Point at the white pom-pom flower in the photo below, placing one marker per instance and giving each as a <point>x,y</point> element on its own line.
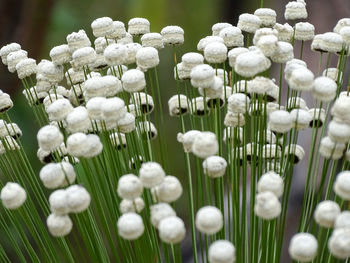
<point>272,182</point>
<point>49,138</point>
<point>326,212</point>
<point>222,251</point>
<point>214,166</point>
<point>342,185</point>
<point>130,226</point>
<point>59,225</point>
<point>303,247</point>
<point>13,195</point>
<point>172,230</point>
<point>205,144</point>
<point>267,205</point>
<point>151,174</point>
<point>209,220</point>
<point>129,187</point>
<point>169,190</point>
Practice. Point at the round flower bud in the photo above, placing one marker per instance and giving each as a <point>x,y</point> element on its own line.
<point>50,72</point>
<point>232,36</point>
<point>317,42</point>
<point>345,34</point>
<point>178,105</point>
<point>205,144</point>
<point>78,120</point>
<point>262,32</point>
<point>330,149</point>
<point>169,190</point>
<point>214,91</point>
<point>130,226</point>
<point>324,89</point>
<point>340,109</point>
<point>301,79</point>
<point>304,31</point>
<point>331,42</point>
<point>14,58</point>
<point>172,230</point>
<point>283,53</point>
<point>93,146</point>
<point>129,187</point>
<point>318,117</point>
<point>58,202</point>
<point>101,43</point>
<point>215,52</point>
<point>78,199</point>
<point>303,247</point>
<point>249,23</point>
<point>222,251</point>
<point>209,220</point>
<point>238,103</point>
<point>339,243</point>
<point>133,80</point>
<point>115,54</point>
<point>271,182</point>
<point>268,45</point>
<point>93,107</point>
<point>267,205</point>
<point>192,59</point>
<point>83,57</point>
<point>131,50</point>
<point>202,76</point>
<point>216,28</point>
<point>234,53</point>
<point>7,49</point>
<point>59,225</point>
<point>326,212</point>
<point>233,119</point>
<point>102,27</point>
<point>280,121</point>
<point>285,32</point>
<point>172,35</point>
<point>113,109</point>
<point>138,26</point>
<point>207,40</point>
<point>59,109</point>
<point>147,57</point>
<point>49,138</point>
<point>127,123</point>
<point>26,67</point>
<point>249,64</point>
<point>267,16</point>
<point>301,118</point>
<point>159,212</point>
<point>78,40</point>
<point>214,166</point>
<point>118,30</point>
<point>344,22</point>
<point>198,106</point>
<point>154,40</point>
<point>343,220</point>
<point>128,206</point>
<point>74,77</point>
<point>148,129</point>
<point>13,195</point>
<point>5,102</point>
<point>295,10</point>
<point>76,144</point>
<point>342,185</point>
<point>339,132</point>
<point>187,139</point>
<point>151,174</point>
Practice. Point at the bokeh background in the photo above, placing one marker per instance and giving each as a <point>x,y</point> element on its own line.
<point>39,25</point>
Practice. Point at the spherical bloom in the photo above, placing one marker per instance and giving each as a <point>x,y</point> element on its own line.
<point>50,72</point>
<point>7,49</point>
<point>147,57</point>
<point>127,123</point>
<point>267,16</point>
<point>338,131</point>
<point>13,195</point>
<point>280,121</point>
<point>344,22</point>
<point>49,138</point>
<point>128,206</point>
<point>178,105</point>
<point>113,109</point>
<point>172,230</point>
<point>102,27</point>
<point>14,58</point>
<point>83,57</point>
<point>304,31</point>
<point>5,102</point>
<point>26,67</point>
<point>343,220</point>
<point>342,185</point>
<point>267,205</point>
<point>152,40</point>
<point>60,54</point>
<point>249,64</point>
<point>215,90</point>
<point>232,37</point>
<point>295,10</point>
<point>303,247</point>
<point>172,35</point>
<point>207,40</point>
<point>205,144</point>
<point>93,146</point>
<point>159,212</point>
<point>324,89</point>
<point>285,32</point>
<point>76,144</point>
<point>341,110</point>
<point>187,139</point>
<point>222,251</point>
<point>268,45</point>
<point>238,103</point>
<point>192,59</point>
<point>233,119</point>
<point>271,182</point>
<point>215,52</point>
<point>138,26</point>
<point>58,202</point>
<point>326,212</point>
<point>202,76</point>
<point>330,149</point>
<point>316,43</point>
<point>78,199</point>
<point>118,30</point>
<point>54,175</point>
<point>234,53</point>
<point>151,174</point>
<point>78,120</point>
<point>59,225</point>
<point>331,42</point>
<point>339,243</point>
<point>214,166</point>
<point>345,34</point>
<point>130,226</point>
<point>93,107</point>
<point>209,220</point>
<point>301,79</point>
<point>216,28</point>
<point>133,80</point>
<point>129,187</point>
<point>59,109</point>
<point>74,77</point>
<point>78,40</point>
<point>283,53</point>
<point>169,190</point>
<point>249,23</point>
<point>265,31</point>
<point>115,54</point>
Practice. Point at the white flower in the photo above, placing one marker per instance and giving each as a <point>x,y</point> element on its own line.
<point>26,67</point>
<point>138,26</point>
<point>280,121</point>
<point>249,23</point>
<point>295,10</point>
<point>214,166</point>
<point>169,190</point>
<point>7,49</point>
<point>272,182</point>
<point>249,64</point>
<point>129,187</point>
<point>118,30</point>
<point>303,247</point>
<point>283,53</point>
<point>78,199</point>
<point>151,174</point>
<point>83,57</point>
<point>285,32</point>
<point>59,225</point>
<point>58,202</point>
<point>267,16</point>
<point>215,52</point>
<point>14,58</point>
<point>147,57</point>
<point>304,31</point>
<point>331,42</point>
<point>172,35</point>
<point>113,109</point>
<point>13,195</point>
<point>267,205</point>
<point>102,27</point>
<point>130,226</point>
<point>207,40</point>
<point>216,28</point>
<point>209,220</point>
<point>326,212</point>
<point>222,251</point>
<point>172,230</point>
<point>205,144</point>
<point>78,120</point>
<point>178,104</point>
<point>339,243</point>
<point>78,40</point>
<point>59,109</point>
<point>133,80</point>
<point>159,212</point>
<point>202,76</point>
<point>342,185</point>
<point>152,40</point>
<point>49,138</point>
<point>115,54</point>
<point>342,220</point>
<point>136,205</point>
